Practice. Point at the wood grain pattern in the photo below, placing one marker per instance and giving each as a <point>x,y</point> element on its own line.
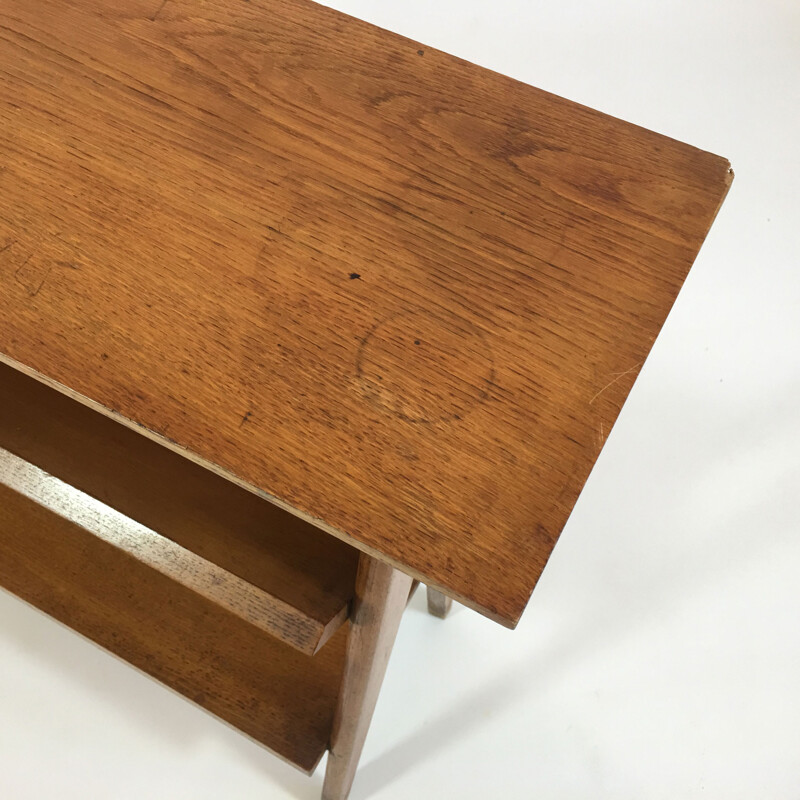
<point>268,690</point>
<point>401,295</point>
<point>306,578</point>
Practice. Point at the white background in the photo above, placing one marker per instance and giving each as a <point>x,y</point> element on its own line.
<point>660,654</point>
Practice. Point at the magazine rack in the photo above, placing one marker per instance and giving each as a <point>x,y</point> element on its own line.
<point>295,312</point>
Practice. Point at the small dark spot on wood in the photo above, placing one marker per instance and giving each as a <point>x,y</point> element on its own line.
<point>417,341</point>
<point>420,52</point>
<point>104,356</point>
<point>354,276</point>
<point>245,418</point>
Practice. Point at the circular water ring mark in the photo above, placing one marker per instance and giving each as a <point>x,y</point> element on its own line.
<point>426,367</point>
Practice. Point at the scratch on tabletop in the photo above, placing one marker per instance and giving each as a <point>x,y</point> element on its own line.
<point>619,376</point>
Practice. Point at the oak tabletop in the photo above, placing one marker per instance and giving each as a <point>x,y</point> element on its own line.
<point>396,293</point>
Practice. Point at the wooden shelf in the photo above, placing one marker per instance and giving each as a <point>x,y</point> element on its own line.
<point>290,579</point>
<point>270,691</point>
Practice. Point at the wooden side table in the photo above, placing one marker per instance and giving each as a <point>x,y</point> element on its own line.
<point>295,313</point>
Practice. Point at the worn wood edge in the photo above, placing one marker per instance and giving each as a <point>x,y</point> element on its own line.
<point>729,178</point>
<point>508,622</point>
<point>256,606</point>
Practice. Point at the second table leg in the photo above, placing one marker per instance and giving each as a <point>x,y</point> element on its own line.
<point>438,604</point>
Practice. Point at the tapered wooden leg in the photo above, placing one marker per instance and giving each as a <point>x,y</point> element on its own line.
<point>438,604</point>
<point>381,596</point>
